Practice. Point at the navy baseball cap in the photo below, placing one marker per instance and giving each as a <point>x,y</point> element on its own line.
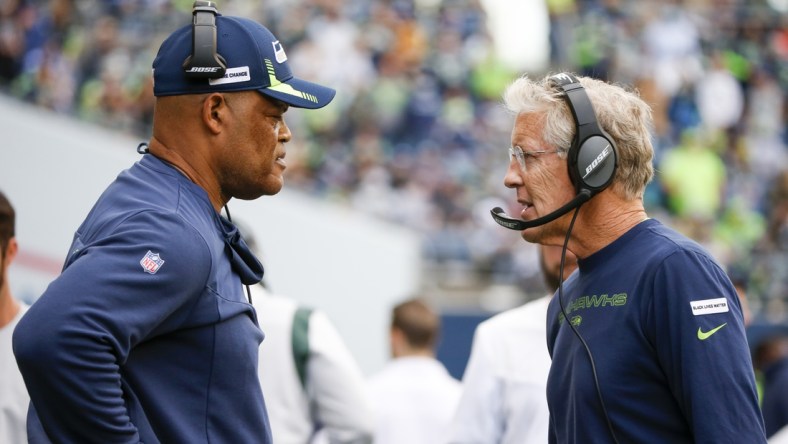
<point>255,61</point>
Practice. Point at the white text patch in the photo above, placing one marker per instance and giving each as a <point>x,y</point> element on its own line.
<point>233,75</point>
<point>709,306</point>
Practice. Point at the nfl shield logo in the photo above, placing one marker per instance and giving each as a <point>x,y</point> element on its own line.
<point>151,262</point>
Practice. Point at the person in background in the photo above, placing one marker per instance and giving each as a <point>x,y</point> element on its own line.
<point>13,394</point>
<point>781,437</point>
<point>413,397</point>
<point>647,337</point>
<point>146,335</point>
<point>740,283</point>
<point>313,387</point>
<point>503,389</point>
<point>770,357</point>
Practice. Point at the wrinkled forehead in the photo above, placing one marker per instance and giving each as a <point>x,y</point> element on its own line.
<point>527,131</point>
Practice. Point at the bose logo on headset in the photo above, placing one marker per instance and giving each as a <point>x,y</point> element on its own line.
<point>602,156</point>
<point>203,69</point>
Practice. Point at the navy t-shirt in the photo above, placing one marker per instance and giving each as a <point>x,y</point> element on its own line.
<point>664,326</point>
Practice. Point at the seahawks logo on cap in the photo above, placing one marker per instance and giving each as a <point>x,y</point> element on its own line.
<point>279,52</point>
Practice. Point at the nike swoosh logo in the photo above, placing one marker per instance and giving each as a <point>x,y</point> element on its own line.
<point>703,335</point>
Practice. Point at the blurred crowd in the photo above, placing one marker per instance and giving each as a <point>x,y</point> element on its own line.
<point>417,135</point>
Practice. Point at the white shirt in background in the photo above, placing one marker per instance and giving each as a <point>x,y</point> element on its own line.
<point>504,397</point>
<point>413,400</point>
<point>334,398</point>
<point>14,399</point>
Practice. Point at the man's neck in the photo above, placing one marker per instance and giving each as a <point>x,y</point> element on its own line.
<point>173,157</point>
<point>414,352</point>
<point>603,223</point>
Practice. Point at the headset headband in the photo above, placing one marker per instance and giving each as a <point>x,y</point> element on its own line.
<point>204,62</point>
<point>592,156</point>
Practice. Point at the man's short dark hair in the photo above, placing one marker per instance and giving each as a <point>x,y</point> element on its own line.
<point>418,322</point>
<point>7,221</point>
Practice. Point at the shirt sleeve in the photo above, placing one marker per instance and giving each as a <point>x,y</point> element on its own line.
<point>336,385</point>
<point>702,347</point>
<point>127,287</point>
<point>479,414</point>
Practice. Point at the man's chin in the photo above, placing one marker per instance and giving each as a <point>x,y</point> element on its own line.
<point>531,235</point>
<point>269,188</point>
<point>272,184</point>
<point>273,189</point>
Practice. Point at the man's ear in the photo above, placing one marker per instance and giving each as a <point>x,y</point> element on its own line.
<point>214,112</point>
<point>397,342</point>
<point>10,251</point>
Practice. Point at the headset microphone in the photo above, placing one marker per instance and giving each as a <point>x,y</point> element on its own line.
<point>511,223</point>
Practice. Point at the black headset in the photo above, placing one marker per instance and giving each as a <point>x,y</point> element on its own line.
<point>592,149</point>
<point>204,62</point>
<point>592,156</point>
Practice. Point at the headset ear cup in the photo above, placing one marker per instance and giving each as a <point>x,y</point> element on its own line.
<point>592,156</point>
<point>204,62</point>
<point>595,163</point>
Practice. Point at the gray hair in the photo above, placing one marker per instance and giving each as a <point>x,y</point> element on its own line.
<point>620,112</point>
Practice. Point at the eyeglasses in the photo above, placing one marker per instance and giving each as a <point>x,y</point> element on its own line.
<point>524,157</point>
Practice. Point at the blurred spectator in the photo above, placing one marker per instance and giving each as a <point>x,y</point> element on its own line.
<point>14,399</point>
<point>12,42</point>
<point>766,151</point>
<point>769,343</point>
<point>413,397</point>
<point>672,42</point>
<point>563,17</point>
<point>720,97</point>
<point>693,176</point>
<point>739,281</point>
